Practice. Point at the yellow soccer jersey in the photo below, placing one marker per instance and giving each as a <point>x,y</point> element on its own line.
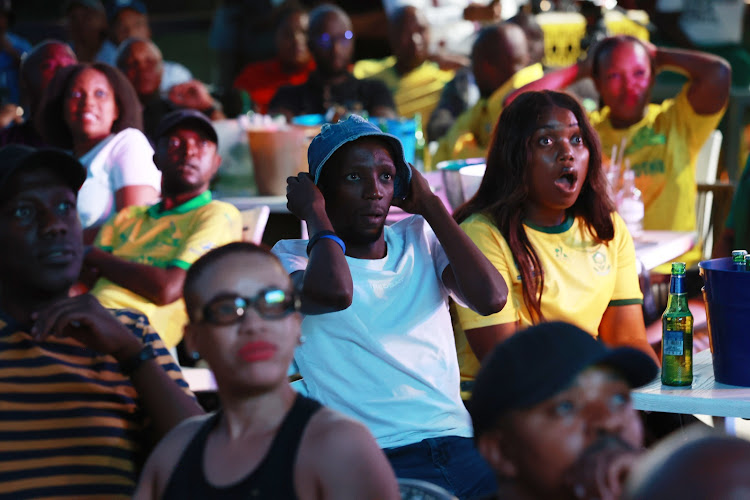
<point>470,134</point>
<point>581,277</point>
<point>173,238</point>
<point>418,91</point>
<point>662,149</point>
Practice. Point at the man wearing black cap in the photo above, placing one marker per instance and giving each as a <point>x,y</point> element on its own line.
<point>379,342</point>
<point>552,414</point>
<point>142,253</point>
<point>81,386</point>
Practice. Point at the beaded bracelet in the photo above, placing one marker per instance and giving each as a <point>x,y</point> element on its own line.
<point>130,365</point>
<point>330,235</point>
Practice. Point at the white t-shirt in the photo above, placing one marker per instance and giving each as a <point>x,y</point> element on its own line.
<point>389,360</point>
<point>708,22</point>
<point>174,74</point>
<point>124,159</point>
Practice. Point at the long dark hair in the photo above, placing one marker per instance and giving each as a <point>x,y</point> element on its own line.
<point>50,119</point>
<point>504,191</point>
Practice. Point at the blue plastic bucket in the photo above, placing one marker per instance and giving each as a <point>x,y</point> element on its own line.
<point>403,128</point>
<point>727,295</point>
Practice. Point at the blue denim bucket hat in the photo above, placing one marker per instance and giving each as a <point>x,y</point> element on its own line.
<point>333,136</point>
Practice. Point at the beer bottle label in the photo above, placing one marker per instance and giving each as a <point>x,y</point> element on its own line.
<point>673,343</point>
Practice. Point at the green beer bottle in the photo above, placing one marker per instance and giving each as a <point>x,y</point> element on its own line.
<point>738,260</point>
<point>677,332</point>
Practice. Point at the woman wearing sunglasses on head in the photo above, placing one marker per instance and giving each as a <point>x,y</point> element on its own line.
<point>266,441</point>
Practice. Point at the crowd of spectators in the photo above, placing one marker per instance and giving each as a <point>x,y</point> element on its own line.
<point>487,349</point>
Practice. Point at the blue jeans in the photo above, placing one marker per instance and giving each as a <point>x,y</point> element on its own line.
<point>451,462</point>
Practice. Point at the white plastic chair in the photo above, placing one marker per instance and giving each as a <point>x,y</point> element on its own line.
<point>706,169</point>
<point>416,489</point>
<point>254,222</point>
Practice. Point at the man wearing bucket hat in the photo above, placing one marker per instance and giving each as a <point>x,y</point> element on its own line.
<point>552,414</point>
<point>81,386</point>
<point>141,254</point>
<point>379,342</point>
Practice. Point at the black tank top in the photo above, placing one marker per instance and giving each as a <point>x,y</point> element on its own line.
<point>274,476</point>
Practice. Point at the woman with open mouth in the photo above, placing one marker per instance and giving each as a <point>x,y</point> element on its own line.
<point>543,217</point>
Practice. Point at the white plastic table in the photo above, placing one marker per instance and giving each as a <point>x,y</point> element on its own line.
<point>654,248</point>
<point>705,397</point>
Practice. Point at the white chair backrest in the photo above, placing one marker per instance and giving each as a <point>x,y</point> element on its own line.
<point>706,170</point>
<point>707,163</point>
<point>416,489</point>
<point>254,222</point>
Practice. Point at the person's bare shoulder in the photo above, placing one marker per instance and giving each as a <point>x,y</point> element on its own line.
<point>163,459</point>
<point>339,458</point>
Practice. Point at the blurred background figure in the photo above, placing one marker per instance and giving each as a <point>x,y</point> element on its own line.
<point>331,86</point>
<point>141,61</point>
<point>456,22</point>
<point>500,64</point>
<point>291,66</point>
<point>86,26</point>
<point>698,463</point>
<point>129,19</point>
<point>462,92</point>
<point>38,67</point>
<point>414,81</point>
<point>93,111</point>
<point>12,47</point>
<point>241,32</point>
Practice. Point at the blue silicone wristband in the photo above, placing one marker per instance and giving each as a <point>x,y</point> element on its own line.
<point>330,235</point>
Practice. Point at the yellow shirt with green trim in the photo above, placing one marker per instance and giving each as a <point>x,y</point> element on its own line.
<point>662,149</point>
<point>170,238</point>
<point>418,91</point>
<point>470,134</point>
<point>582,278</point>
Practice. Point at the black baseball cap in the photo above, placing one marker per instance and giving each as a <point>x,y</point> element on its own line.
<point>535,364</point>
<point>15,157</point>
<point>189,117</point>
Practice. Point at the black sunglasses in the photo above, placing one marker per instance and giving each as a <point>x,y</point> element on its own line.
<point>271,303</point>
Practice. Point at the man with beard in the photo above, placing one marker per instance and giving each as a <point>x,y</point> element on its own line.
<point>142,253</point>
<point>378,337</point>
<point>552,413</point>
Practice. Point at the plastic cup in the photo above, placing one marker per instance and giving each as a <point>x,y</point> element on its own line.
<point>278,154</point>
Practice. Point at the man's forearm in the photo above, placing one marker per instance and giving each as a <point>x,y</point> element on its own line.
<point>160,286</point>
<point>327,284</point>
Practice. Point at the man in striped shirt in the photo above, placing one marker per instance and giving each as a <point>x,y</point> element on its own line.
<point>83,390</point>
